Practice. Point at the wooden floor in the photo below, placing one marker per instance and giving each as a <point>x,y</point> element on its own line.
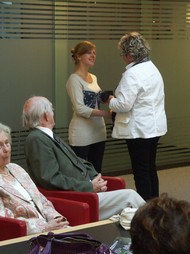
<point>175,181</point>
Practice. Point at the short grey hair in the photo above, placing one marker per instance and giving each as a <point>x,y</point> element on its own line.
<point>135,45</point>
<point>7,130</point>
<point>33,110</point>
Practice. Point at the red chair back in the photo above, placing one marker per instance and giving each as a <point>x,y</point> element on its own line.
<point>87,197</point>
<point>114,183</point>
<point>77,213</point>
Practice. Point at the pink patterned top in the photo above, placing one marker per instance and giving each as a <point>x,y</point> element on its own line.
<point>28,204</point>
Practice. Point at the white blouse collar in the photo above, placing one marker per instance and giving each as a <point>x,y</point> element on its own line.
<point>129,65</point>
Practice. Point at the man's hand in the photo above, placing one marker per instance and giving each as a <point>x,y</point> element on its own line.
<point>99,185</point>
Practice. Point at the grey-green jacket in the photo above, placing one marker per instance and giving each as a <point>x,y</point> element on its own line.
<point>54,165</point>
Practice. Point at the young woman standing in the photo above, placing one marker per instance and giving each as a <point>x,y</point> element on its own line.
<point>87,130</point>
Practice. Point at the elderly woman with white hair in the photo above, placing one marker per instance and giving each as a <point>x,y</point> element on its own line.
<point>140,111</point>
<point>19,196</point>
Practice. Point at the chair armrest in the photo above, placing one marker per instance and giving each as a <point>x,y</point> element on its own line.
<point>11,228</point>
<point>114,183</point>
<point>88,197</point>
<point>77,213</point>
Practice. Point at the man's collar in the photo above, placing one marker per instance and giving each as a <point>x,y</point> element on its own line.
<point>48,131</point>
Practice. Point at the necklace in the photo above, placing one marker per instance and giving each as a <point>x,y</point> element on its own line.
<point>5,173</point>
<point>86,77</point>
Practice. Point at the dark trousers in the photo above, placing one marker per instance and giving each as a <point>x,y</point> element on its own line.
<point>93,153</point>
<point>143,159</point>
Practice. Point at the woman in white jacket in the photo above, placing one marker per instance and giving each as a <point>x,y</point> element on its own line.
<point>140,112</point>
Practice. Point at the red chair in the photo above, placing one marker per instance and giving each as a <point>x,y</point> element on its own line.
<point>88,197</point>
<point>114,183</point>
<point>11,228</point>
<point>77,213</point>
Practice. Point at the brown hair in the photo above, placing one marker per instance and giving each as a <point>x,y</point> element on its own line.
<point>161,226</point>
<point>81,48</point>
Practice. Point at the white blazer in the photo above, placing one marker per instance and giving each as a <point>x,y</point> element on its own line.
<point>139,103</point>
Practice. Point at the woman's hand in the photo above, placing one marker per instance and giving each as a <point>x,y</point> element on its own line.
<point>107,114</point>
<point>110,97</point>
<point>56,223</point>
<point>100,112</point>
